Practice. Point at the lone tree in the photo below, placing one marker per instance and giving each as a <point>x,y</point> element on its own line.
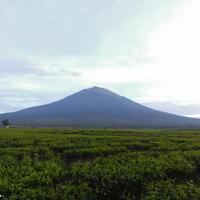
<point>6,123</point>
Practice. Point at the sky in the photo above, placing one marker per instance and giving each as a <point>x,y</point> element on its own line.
<point>146,50</point>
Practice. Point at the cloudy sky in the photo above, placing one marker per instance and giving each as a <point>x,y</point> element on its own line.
<point>147,50</point>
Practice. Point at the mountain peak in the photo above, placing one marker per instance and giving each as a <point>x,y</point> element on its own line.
<point>98,90</point>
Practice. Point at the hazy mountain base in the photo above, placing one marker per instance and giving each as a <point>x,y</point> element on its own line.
<point>99,164</point>
<point>103,123</point>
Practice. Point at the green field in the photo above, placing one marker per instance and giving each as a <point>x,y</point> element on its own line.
<point>58,164</point>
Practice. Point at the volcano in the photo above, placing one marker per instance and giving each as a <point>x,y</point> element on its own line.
<point>97,108</point>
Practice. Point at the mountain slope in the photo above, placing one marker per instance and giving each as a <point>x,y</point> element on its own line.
<point>98,107</point>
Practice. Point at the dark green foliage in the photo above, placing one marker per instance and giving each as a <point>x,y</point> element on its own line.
<point>49,164</point>
<point>6,123</point>
<point>167,190</point>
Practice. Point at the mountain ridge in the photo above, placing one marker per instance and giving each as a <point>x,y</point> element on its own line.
<point>96,108</point>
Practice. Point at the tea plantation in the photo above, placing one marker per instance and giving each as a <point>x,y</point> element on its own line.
<point>58,164</point>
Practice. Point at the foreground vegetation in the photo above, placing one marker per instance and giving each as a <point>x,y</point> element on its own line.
<point>99,164</point>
